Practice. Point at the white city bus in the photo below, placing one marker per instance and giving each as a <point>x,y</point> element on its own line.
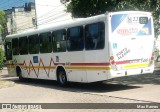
<point>92,49</point>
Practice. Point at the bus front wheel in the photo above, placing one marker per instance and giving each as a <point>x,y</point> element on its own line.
<point>19,74</point>
<point>61,77</point>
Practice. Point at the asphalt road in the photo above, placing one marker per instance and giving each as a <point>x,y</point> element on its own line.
<point>134,89</point>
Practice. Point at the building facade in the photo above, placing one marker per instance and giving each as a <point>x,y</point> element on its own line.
<point>20,19</point>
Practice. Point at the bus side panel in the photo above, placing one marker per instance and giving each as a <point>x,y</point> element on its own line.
<point>11,70</point>
<point>99,70</point>
<point>75,66</point>
<point>47,68</point>
<point>37,66</point>
<point>97,75</point>
<point>76,76</point>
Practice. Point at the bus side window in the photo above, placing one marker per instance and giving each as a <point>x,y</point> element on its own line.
<point>45,42</point>
<point>15,47</point>
<point>23,45</point>
<point>33,44</point>
<point>8,50</point>
<point>94,36</point>
<point>59,40</point>
<point>75,40</point>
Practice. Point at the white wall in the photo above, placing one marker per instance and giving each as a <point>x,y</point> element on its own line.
<point>51,12</point>
<point>23,20</point>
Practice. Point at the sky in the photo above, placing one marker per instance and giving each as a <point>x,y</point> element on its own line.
<point>8,4</point>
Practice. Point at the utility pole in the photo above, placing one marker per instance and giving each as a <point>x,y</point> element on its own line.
<point>35,14</point>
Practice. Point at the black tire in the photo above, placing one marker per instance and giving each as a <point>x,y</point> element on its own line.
<point>62,78</point>
<point>19,74</point>
<point>157,60</point>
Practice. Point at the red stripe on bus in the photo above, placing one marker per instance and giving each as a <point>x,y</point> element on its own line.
<point>127,61</point>
<point>90,64</point>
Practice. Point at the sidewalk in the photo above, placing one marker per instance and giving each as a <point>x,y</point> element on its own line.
<point>4,71</point>
<point>5,83</point>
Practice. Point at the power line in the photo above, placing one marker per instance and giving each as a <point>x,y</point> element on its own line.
<point>47,12</point>
<point>47,20</point>
<point>44,19</point>
<point>50,11</point>
<point>47,23</point>
<point>51,16</point>
<point>60,16</point>
<point>46,5</point>
<point>40,18</point>
<point>56,21</point>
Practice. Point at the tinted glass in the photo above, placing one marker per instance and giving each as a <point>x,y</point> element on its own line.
<point>33,44</point>
<point>59,41</point>
<point>15,47</point>
<point>94,36</point>
<point>45,42</point>
<point>8,49</point>
<point>23,45</point>
<point>75,40</point>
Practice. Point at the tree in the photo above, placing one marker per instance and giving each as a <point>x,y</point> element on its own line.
<point>2,32</point>
<point>86,8</point>
<point>1,58</point>
<point>2,22</point>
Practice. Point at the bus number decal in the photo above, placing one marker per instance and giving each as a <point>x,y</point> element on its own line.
<point>132,19</point>
<point>122,53</point>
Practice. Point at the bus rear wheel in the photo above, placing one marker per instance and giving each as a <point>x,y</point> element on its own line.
<point>61,77</point>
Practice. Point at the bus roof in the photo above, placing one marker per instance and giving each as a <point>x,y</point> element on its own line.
<point>128,12</point>
<point>60,26</point>
<point>82,21</point>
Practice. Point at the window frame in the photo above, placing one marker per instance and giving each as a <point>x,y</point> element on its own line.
<point>20,46</point>
<point>38,50</point>
<point>40,42</point>
<point>102,23</point>
<point>13,49</point>
<point>81,39</point>
<point>55,41</point>
<point>8,57</point>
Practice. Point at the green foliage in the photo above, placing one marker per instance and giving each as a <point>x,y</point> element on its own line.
<point>2,31</point>
<point>2,22</point>
<point>86,8</point>
<point>1,58</point>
